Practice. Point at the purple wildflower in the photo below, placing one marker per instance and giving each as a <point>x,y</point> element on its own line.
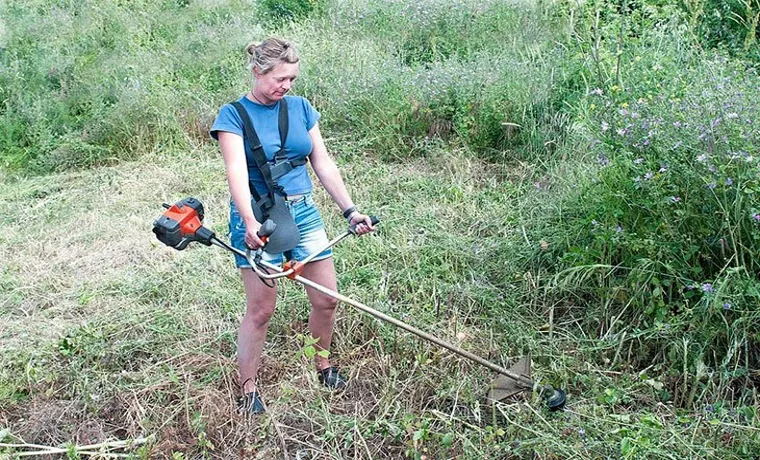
<point>727,306</point>
<point>675,199</point>
<point>707,288</point>
<point>619,229</point>
<point>702,158</point>
<point>597,91</point>
<point>648,175</point>
<point>622,132</point>
<point>638,161</point>
<point>605,126</point>
<point>603,160</point>
<point>624,112</point>
<point>663,168</point>
<point>729,182</point>
<point>634,115</point>
<point>756,217</point>
<point>677,124</point>
<point>711,185</point>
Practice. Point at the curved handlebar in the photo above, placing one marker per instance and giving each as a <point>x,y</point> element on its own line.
<point>270,276</point>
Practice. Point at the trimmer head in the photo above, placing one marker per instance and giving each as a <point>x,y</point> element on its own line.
<point>504,387</point>
<point>556,400</point>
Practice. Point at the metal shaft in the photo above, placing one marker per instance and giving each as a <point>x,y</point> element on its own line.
<point>419,333</point>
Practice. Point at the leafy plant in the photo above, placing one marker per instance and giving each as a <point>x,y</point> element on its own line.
<point>308,348</point>
<point>288,10</point>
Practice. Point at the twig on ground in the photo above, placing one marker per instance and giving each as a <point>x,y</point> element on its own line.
<point>82,450</point>
<point>276,425</point>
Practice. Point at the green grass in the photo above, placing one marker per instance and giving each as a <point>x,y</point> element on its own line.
<point>472,130</point>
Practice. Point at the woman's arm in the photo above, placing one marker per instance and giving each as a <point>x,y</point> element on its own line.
<point>233,151</point>
<point>329,176</point>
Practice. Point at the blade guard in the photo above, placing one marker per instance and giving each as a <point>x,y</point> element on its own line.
<point>504,387</point>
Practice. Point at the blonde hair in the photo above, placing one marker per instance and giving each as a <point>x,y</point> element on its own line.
<point>267,54</point>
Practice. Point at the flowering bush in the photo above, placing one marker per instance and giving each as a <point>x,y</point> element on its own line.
<point>677,179</point>
<point>659,229</point>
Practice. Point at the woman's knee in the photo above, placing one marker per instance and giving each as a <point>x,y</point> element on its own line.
<point>325,303</point>
<point>260,312</point>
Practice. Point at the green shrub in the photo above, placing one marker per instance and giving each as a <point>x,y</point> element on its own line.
<point>728,24</point>
<point>470,73</point>
<point>664,224</point>
<point>279,11</point>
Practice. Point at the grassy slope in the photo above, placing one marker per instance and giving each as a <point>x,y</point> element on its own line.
<point>101,317</point>
<point>108,335</point>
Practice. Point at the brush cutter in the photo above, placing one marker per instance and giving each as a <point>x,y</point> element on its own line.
<point>181,224</point>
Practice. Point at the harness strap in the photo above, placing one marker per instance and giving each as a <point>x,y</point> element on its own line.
<point>270,170</point>
<point>253,145</point>
<point>282,126</point>
<point>281,165</point>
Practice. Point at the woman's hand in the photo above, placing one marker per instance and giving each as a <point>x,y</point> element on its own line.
<point>362,221</point>
<point>252,239</point>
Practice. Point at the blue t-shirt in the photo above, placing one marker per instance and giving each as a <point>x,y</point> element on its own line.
<point>301,117</point>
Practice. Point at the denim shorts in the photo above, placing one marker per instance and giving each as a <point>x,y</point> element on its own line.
<point>310,226</point>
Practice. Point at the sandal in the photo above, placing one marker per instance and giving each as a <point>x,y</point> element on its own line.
<point>250,404</point>
<point>330,378</point>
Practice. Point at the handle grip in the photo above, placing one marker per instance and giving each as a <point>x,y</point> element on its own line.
<point>266,229</point>
<point>374,219</point>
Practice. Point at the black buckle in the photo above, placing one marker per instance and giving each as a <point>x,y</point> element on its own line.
<point>280,169</point>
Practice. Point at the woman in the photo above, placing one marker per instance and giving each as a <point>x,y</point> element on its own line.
<point>274,64</point>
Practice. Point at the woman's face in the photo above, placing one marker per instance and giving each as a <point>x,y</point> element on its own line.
<point>273,85</point>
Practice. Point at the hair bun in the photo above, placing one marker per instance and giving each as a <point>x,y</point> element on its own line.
<point>265,55</point>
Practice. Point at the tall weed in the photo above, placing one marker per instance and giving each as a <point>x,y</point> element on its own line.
<point>468,73</point>
<point>84,83</point>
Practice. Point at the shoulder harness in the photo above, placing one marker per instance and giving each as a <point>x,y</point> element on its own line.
<point>272,204</point>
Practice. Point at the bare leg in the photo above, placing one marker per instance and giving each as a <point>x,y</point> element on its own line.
<point>260,303</point>
<point>322,317</point>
